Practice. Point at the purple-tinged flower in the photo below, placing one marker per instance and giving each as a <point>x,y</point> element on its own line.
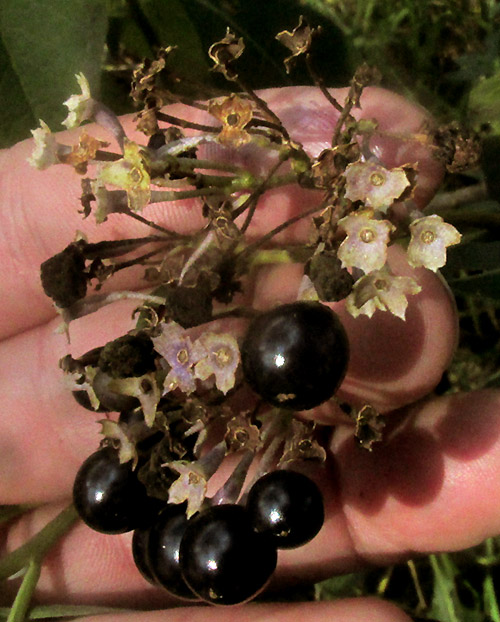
<point>381,290</point>
<point>375,185</point>
<point>365,246</point>
<point>430,236</point>
<point>174,344</point>
<point>220,357</point>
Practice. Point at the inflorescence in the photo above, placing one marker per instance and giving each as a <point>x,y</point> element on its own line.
<point>189,391</point>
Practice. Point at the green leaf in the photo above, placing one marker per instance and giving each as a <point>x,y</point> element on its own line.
<point>484,102</point>
<point>474,256</point>
<point>17,116</point>
<point>446,604</point>
<point>486,284</point>
<point>44,44</point>
<point>172,26</point>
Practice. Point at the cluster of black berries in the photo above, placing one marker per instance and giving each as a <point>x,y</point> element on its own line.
<point>224,554</point>
<point>294,357</point>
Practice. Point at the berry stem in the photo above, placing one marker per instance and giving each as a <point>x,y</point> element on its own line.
<point>9,512</point>
<point>39,545</point>
<point>22,601</point>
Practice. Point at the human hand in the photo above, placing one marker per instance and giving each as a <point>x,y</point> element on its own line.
<point>406,497</point>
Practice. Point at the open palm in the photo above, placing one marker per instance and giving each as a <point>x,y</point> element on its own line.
<point>432,485</point>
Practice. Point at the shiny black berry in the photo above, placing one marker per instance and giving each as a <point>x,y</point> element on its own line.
<point>287,506</point>
<point>163,550</point>
<point>296,355</point>
<point>223,560</point>
<point>140,553</point>
<point>108,496</point>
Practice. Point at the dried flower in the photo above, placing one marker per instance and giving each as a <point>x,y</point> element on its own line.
<point>81,154</point>
<point>430,236</point>
<point>365,246</point>
<point>381,290</point>
<point>235,113</point>
<point>221,357</point>
<point>241,434</point>
<point>225,52</point>
<point>129,173</point>
<point>372,183</point>
<point>81,107</point>
<point>298,41</point>
<point>108,201</point>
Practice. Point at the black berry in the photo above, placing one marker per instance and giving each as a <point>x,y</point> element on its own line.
<point>108,496</point>
<point>287,506</point>
<point>296,355</point>
<point>140,553</point>
<point>223,560</point>
<point>163,550</point>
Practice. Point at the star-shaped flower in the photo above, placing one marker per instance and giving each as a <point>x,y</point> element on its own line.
<point>365,246</point>
<point>221,358</point>
<point>234,113</point>
<point>430,236</point>
<point>190,486</point>
<point>174,344</point>
<point>381,290</point>
<point>46,149</point>
<point>375,185</point>
<point>129,174</point>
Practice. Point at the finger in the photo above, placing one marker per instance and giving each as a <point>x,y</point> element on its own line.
<point>432,485</point>
<point>41,214</point>
<point>393,362</point>
<point>347,610</point>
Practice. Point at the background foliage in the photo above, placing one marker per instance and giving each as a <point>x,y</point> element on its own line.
<point>444,54</point>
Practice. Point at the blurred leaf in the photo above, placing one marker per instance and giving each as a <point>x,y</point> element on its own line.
<point>446,605</point>
<point>474,256</point>
<point>173,26</point>
<point>342,586</point>
<point>17,115</point>
<point>47,43</point>
<point>484,102</point>
<point>485,285</point>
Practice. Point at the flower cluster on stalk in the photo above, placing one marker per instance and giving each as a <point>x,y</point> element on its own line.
<point>187,390</point>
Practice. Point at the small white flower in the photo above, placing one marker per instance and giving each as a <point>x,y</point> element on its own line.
<point>80,107</point>
<point>46,148</point>
<point>430,236</point>
<point>375,185</point>
<point>365,246</point>
<point>381,290</point>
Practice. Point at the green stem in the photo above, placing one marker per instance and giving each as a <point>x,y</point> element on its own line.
<point>159,196</point>
<point>490,600</point>
<point>443,578</point>
<point>271,256</point>
<point>22,601</point>
<point>193,163</point>
<point>39,545</point>
<point>9,512</point>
